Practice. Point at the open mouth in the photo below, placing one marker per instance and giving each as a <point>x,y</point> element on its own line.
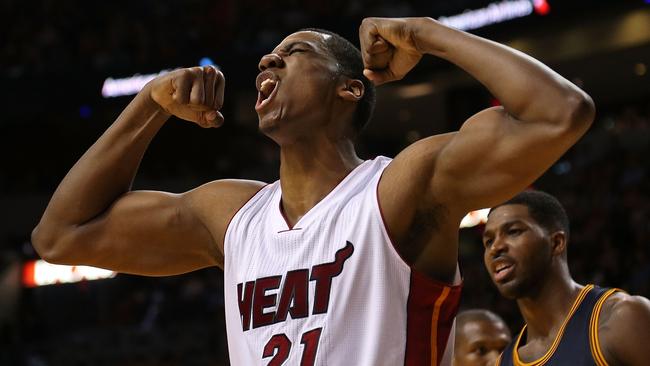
<point>266,84</point>
<point>503,271</point>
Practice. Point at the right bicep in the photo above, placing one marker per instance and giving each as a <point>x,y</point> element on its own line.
<point>144,232</point>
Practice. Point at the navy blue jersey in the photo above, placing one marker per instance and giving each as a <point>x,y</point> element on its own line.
<point>576,343</point>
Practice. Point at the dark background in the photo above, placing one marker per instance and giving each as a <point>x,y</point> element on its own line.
<point>55,55</point>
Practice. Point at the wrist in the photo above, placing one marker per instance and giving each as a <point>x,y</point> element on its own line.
<point>149,105</point>
<point>426,34</point>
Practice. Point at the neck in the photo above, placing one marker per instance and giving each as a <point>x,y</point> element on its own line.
<point>310,170</point>
<point>546,310</point>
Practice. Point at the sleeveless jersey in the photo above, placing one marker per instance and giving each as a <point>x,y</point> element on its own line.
<point>576,343</point>
<point>331,290</point>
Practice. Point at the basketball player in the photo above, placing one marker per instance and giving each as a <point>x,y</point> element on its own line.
<point>567,323</point>
<point>481,336</point>
<point>342,261</point>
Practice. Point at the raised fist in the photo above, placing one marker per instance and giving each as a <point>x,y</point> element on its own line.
<point>194,94</point>
<point>388,47</point>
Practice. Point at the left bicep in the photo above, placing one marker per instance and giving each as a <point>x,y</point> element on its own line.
<point>494,156</point>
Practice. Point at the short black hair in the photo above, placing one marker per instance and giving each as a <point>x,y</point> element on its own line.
<point>545,209</point>
<point>474,315</point>
<point>351,65</point>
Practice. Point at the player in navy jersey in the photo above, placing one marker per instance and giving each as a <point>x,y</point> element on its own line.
<point>526,240</point>
<point>314,95</point>
<point>481,336</point>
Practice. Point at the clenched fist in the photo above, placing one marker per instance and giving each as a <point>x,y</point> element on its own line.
<point>388,47</point>
<point>194,94</point>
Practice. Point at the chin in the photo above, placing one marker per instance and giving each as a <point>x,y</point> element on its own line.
<point>268,125</point>
<point>511,290</point>
<point>273,131</point>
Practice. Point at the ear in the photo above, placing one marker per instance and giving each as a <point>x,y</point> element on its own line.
<point>351,90</point>
<point>558,243</point>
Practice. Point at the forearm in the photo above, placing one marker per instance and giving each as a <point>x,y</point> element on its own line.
<point>527,89</point>
<point>107,169</point>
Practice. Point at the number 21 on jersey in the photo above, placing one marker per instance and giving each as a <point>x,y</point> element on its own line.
<point>279,346</point>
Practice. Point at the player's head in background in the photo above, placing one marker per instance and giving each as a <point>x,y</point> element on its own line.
<point>481,336</point>
<point>316,86</point>
<point>525,241</point>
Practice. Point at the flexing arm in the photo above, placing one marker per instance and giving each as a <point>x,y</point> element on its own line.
<point>93,218</point>
<point>624,330</point>
<point>501,150</point>
<point>497,152</point>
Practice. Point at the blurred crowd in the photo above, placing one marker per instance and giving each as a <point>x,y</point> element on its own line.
<point>51,50</point>
<point>47,36</point>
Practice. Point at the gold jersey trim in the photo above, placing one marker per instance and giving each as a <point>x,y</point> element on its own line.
<point>594,342</point>
<point>549,353</point>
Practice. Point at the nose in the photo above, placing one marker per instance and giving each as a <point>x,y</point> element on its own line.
<point>498,246</point>
<point>272,60</point>
<point>491,357</point>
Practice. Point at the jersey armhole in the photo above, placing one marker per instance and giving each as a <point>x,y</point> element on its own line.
<point>226,237</point>
<point>458,280</point>
<point>594,342</point>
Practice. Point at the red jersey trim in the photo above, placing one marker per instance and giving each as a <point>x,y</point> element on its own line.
<point>432,306</point>
<point>431,310</point>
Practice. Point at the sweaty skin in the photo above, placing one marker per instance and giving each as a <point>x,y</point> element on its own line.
<point>95,218</point>
<point>538,278</point>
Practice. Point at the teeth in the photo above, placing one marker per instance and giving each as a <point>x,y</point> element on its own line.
<point>267,87</point>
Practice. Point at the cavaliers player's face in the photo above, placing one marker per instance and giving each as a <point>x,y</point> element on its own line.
<point>517,251</point>
<point>296,87</point>
<point>480,342</point>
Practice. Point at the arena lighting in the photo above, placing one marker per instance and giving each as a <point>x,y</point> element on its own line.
<point>494,13</point>
<point>127,86</point>
<point>475,218</point>
<point>415,90</point>
<point>133,84</point>
<point>40,273</point>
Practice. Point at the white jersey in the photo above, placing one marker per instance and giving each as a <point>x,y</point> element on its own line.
<point>331,290</point>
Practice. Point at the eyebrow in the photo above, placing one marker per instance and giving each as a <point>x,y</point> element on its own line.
<point>506,225</point>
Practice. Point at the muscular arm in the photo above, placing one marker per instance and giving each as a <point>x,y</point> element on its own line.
<point>624,330</point>
<point>497,152</point>
<point>500,151</point>
<point>93,218</point>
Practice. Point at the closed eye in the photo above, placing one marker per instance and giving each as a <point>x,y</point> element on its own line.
<point>515,232</point>
<point>481,350</point>
<point>294,50</point>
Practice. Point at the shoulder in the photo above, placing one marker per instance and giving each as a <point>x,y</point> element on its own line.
<point>222,195</point>
<point>622,307</point>
<point>216,202</point>
<point>405,185</point>
<point>421,151</point>
<point>624,328</point>
<point>228,187</point>
<point>410,173</point>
